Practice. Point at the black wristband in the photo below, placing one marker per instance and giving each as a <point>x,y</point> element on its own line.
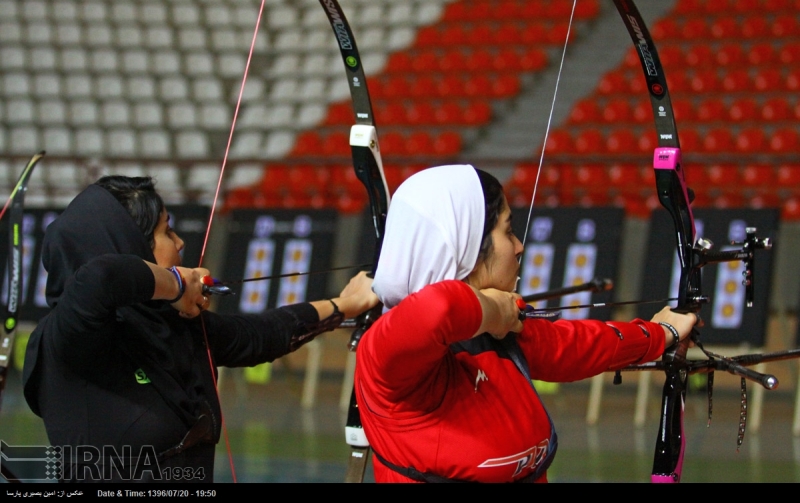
<point>181,284</point>
<point>671,329</point>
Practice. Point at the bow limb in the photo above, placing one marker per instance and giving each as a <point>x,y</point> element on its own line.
<point>369,170</point>
<point>15,253</point>
<point>675,198</point>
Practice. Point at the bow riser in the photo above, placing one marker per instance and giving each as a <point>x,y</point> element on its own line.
<point>369,170</point>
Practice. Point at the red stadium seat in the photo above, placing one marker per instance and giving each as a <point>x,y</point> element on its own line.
<point>399,62</point>
<point>617,110</point>
<point>776,109</point>
<point>754,27</point>
<point>392,113</point>
<point>762,53</point>
<point>671,56</point>
<point>747,6</point>
<point>454,34</point>
<point>622,141</point>
<point>590,141</point>
<point>792,82</point>
<point>629,178</point>
<point>695,28</point>
<point>790,53</point>
<point>305,181</point>
<point>506,60</point>
<point>785,141</point>
<point>505,85</point>
<point>691,140</point>
<point>450,86</point>
<point>725,28</point>
<point>307,143</point>
<point>479,35</point>
<point>718,141</point>
<point>768,79</point>
<point>736,80</point>
<point>559,141</point>
<point>428,36</point>
<point>689,7</point>
<point>448,113</point>
<point>585,111</point>
<point>759,175</point>
<point>536,32</point>
<point>392,143</point>
<point>394,86</point>
<point>684,110</point>
<point>479,85</point>
<point>666,28</point>
<point>340,114</point>
<point>422,86</point>
<point>743,110</point>
<point>784,26</point>
<point>718,175</point>
<point>587,9</point>
<point>678,80</point>
<point>336,143</point>
<point>419,143</point>
<point>557,34</point>
<point>479,60</point>
<point>421,113</point>
<point>647,142</point>
<point>727,200</point>
<point>508,33</point>
<point>274,184</point>
<point>506,10</point>
<point>613,82</point>
<point>705,81</point>
<point>447,143</point>
<point>240,197</point>
<point>533,59</point>
<point>788,175</point>
<point>452,60</point>
<point>700,55</point>
<point>730,54</point>
<point>425,61</point>
<point>751,140</point>
<point>477,113</point>
<point>350,203</point>
<point>457,11</point>
<point>642,112</point>
<point>711,110</point>
<point>761,199</point>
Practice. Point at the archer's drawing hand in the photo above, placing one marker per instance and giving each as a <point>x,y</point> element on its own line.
<point>357,297</point>
<point>500,312</point>
<point>683,323</point>
<point>193,302</point>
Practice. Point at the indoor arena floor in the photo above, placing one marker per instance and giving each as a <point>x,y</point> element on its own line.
<point>273,439</point>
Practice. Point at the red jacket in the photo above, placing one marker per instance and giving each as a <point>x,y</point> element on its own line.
<point>433,398</point>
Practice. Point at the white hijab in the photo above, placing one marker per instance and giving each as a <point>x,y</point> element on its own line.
<point>433,231</point>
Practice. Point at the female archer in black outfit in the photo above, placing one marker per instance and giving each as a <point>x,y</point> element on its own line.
<point>122,364</point>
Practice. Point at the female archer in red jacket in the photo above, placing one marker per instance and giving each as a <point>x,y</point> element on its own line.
<point>443,377</point>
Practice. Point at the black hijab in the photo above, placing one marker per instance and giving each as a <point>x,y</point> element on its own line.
<point>150,334</point>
